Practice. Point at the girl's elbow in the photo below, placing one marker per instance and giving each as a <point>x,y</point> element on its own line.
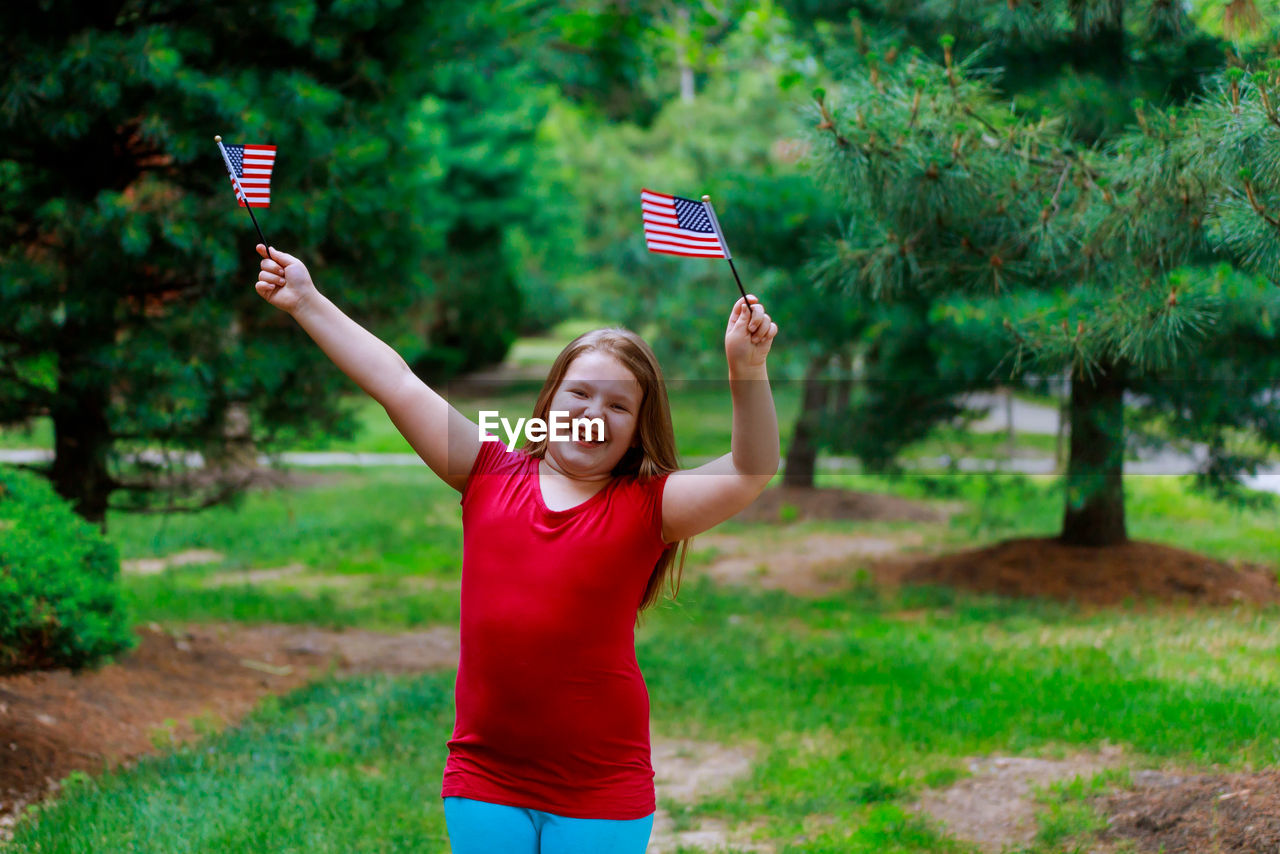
<point>771,466</point>
<point>758,481</point>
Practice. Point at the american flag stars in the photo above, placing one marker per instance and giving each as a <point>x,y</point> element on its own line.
<point>674,225</point>
<point>252,165</point>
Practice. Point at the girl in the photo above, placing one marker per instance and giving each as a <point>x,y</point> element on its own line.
<point>563,543</point>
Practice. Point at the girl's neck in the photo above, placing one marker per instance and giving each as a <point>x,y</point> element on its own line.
<point>550,469</point>
<point>561,491</point>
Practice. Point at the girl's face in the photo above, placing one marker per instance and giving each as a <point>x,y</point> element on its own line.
<point>596,385</point>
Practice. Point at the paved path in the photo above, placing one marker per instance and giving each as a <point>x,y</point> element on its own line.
<point>1037,418</point>
<point>1027,418</point>
<point>1163,463</point>
<point>195,460</point>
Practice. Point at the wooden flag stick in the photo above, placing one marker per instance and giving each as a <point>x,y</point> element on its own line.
<point>232,172</point>
<point>724,244</point>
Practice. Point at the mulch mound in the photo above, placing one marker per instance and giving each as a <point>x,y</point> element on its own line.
<point>1133,572</point>
<point>55,722</point>
<point>791,504</point>
<point>1189,815</point>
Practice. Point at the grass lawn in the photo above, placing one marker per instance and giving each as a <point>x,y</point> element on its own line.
<point>956,443</point>
<point>854,703</point>
<point>852,706</point>
<point>37,433</point>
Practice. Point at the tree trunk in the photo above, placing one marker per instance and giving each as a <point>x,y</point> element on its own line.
<point>234,456</point>
<point>1094,513</point>
<point>682,50</point>
<point>82,438</point>
<point>802,453</point>
<point>81,431</point>
<point>842,392</point>
<point>1100,40</point>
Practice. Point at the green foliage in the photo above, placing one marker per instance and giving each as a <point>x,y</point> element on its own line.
<point>777,219</point>
<point>1040,256</point>
<point>1081,61</point>
<point>1224,398</point>
<point>60,605</point>
<point>406,139</point>
<point>901,392</point>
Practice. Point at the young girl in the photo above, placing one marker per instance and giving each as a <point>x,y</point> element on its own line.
<point>563,543</point>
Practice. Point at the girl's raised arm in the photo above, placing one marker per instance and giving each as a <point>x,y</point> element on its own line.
<point>698,499</point>
<point>446,439</point>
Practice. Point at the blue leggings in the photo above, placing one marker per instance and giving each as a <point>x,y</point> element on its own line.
<point>479,827</point>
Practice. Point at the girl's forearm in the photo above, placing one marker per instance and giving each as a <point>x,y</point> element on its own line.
<point>755,444</point>
<point>359,353</point>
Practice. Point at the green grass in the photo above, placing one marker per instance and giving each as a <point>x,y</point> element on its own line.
<point>374,433</point>
<point>374,605</point>
<point>349,766</point>
<point>377,533</point>
<point>541,350</point>
<point>36,433</point>
<point>956,443</point>
<point>702,414</point>
<point>855,708</point>
<point>852,707</point>
<point>386,520</point>
<point>1069,822</point>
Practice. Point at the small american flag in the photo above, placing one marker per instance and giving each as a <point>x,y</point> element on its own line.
<point>679,226</point>
<point>252,167</point>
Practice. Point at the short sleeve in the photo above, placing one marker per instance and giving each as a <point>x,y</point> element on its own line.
<point>489,460</point>
<point>653,490</point>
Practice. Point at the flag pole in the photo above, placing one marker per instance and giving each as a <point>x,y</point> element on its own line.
<point>232,172</point>
<point>724,244</point>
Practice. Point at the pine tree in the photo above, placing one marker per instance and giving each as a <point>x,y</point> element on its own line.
<point>1067,256</point>
<point>126,308</point>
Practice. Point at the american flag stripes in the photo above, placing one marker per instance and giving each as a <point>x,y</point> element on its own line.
<point>677,226</point>
<point>251,165</point>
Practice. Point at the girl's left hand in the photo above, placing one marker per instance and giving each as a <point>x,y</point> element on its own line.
<point>750,334</point>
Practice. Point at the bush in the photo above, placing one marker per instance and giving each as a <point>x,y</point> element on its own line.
<point>60,605</point>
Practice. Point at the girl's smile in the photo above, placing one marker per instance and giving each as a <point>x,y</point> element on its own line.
<point>596,386</point>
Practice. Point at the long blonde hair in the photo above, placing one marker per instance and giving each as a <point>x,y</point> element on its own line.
<point>656,453</point>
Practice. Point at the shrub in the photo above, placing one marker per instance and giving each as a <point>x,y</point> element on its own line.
<point>60,605</point>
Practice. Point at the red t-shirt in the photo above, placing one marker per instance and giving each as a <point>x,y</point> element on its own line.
<point>552,712</point>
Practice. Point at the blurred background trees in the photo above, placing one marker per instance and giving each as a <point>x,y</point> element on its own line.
<point>1058,241</point>
<point>459,173</point>
<point>407,142</point>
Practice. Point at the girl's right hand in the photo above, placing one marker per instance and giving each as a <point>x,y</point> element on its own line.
<point>283,280</point>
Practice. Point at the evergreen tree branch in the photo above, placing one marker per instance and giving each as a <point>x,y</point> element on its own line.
<point>1257,206</point>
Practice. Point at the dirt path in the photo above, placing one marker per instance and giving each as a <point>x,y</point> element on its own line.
<point>688,771</point>
<point>995,807</point>
<point>809,565</point>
